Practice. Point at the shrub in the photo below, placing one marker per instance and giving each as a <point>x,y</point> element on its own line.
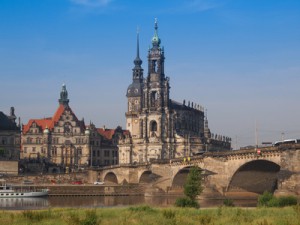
<point>142,208</point>
<point>267,199</point>
<point>186,202</point>
<point>264,198</point>
<point>286,201</point>
<point>91,218</point>
<point>228,202</point>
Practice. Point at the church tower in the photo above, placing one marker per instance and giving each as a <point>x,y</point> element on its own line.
<point>159,127</point>
<point>134,96</point>
<point>156,90</point>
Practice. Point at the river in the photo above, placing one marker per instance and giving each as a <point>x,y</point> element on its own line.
<point>105,201</point>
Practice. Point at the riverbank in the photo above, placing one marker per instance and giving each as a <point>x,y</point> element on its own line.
<point>147,215</point>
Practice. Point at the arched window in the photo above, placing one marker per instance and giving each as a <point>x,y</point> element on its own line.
<point>153,126</point>
<point>153,98</point>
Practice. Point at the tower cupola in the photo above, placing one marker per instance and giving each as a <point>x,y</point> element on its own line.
<point>155,39</point>
<point>63,96</point>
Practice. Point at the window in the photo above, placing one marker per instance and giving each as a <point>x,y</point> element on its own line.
<point>4,141</point>
<point>33,149</point>
<point>106,153</point>
<point>94,153</point>
<point>153,98</point>
<point>153,126</point>
<point>25,149</point>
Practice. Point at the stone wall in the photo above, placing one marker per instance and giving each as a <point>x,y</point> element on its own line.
<point>9,167</point>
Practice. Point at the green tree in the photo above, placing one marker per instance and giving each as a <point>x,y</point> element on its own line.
<point>193,186</point>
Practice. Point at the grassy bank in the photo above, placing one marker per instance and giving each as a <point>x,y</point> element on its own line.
<point>146,215</point>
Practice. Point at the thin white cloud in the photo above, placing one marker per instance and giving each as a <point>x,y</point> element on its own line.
<point>92,3</point>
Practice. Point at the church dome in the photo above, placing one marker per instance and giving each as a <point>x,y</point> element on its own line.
<point>134,90</point>
<point>46,131</point>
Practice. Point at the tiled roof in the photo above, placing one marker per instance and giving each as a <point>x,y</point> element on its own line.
<point>107,133</point>
<point>50,122</point>
<point>42,123</point>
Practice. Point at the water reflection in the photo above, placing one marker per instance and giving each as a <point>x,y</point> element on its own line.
<point>106,201</point>
<point>23,203</point>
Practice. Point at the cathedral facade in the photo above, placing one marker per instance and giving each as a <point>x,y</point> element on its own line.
<point>159,127</point>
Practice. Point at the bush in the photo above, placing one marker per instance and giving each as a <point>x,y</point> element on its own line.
<point>228,202</point>
<point>186,202</point>
<point>267,199</point>
<point>285,201</point>
<point>91,218</point>
<point>142,208</point>
<point>264,198</point>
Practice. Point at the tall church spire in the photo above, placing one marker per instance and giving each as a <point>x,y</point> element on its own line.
<point>137,70</point>
<point>138,62</point>
<point>64,96</point>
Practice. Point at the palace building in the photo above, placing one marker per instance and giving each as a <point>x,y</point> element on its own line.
<point>10,136</point>
<point>161,128</point>
<point>67,142</point>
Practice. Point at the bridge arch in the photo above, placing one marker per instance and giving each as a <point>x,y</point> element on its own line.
<point>255,176</point>
<point>146,176</point>
<point>179,178</point>
<point>110,177</point>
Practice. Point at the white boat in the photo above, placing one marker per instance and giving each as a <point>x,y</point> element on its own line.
<point>8,191</point>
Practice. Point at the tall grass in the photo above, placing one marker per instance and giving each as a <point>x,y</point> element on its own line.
<point>147,215</point>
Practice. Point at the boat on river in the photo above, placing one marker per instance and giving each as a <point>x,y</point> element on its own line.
<point>9,191</point>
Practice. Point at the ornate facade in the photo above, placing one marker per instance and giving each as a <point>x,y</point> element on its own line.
<point>161,128</point>
<point>66,141</point>
<point>10,136</point>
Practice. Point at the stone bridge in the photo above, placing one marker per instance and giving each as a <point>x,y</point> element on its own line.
<point>275,169</point>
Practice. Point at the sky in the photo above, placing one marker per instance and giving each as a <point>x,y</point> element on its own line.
<point>239,59</point>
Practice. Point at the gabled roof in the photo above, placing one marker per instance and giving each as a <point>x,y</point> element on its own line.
<point>42,123</point>
<point>109,133</point>
<point>51,121</point>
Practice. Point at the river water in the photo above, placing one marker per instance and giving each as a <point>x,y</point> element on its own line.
<point>105,201</point>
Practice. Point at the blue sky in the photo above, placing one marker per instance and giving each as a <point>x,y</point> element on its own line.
<point>239,59</point>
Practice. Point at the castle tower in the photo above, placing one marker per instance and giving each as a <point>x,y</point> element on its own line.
<point>63,96</point>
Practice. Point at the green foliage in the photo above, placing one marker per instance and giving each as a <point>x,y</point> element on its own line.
<point>186,202</point>
<point>268,200</point>
<point>264,198</point>
<point>228,202</point>
<point>193,187</point>
<point>91,218</point>
<point>150,216</point>
<point>141,208</point>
